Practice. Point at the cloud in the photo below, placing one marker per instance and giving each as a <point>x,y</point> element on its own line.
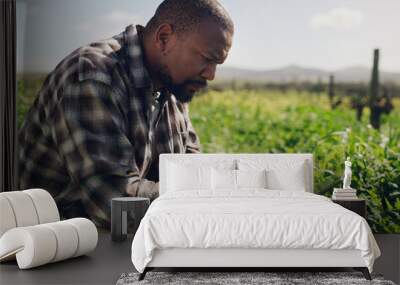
<point>340,19</point>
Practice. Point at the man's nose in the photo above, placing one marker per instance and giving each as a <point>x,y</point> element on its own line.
<point>209,72</point>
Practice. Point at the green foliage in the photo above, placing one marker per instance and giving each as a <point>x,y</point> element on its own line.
<point>272,122</point>
<point>28,87</point>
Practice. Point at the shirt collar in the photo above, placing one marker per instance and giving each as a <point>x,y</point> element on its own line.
<point>135,60</point>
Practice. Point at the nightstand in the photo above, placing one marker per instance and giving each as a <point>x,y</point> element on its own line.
<point>358,205</point>
<point>127,212</point>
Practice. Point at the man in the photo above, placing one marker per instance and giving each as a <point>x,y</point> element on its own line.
<point>107,110</point>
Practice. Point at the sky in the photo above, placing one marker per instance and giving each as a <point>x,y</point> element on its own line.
<point>323,34</point>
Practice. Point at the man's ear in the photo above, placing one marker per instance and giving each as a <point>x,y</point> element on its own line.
<point>165,37</point>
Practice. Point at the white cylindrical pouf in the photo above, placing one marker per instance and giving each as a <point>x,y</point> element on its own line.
<point>40,244</point>
<point>67,239</point>
<point>7,217</point>
<point>45,205</point>
<point>34,245</point>
<point>87,234</point>
<point>23,207</point>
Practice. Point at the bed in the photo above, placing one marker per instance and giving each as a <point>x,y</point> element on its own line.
<point>246,211</point>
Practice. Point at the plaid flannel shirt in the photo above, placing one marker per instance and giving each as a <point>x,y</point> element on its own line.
<point>96,129</point>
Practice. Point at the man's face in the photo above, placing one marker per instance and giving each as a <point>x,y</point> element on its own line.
<point>191,59</point>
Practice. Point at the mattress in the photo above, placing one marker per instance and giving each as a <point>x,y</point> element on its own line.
<point>250,219</point>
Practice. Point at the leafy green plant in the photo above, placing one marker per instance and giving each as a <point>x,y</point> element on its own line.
<point>270,122</point>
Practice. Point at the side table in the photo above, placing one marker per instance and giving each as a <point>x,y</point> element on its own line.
<point>123,208</point>
<point>358,205</point>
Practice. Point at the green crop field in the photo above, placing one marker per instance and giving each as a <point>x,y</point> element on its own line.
<point>291,122</point>
<point>273,122</point>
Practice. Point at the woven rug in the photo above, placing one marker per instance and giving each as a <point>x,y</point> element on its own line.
<point>242,278</point>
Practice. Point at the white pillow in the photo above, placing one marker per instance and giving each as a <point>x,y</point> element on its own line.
<point>231,180</point>
<point>282,174</point>
<point>223,179</point>
<point>293,180</point>
<point>251,178</point>
<point>188,177</point>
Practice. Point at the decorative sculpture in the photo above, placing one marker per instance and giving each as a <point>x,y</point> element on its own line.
<point>347,174</point>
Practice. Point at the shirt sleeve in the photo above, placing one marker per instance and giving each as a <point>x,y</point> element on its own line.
<point>90,134</point>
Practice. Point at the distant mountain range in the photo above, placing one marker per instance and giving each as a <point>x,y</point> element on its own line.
<point>301,74</point>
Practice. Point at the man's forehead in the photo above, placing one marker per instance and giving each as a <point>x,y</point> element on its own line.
<point>213,40</point>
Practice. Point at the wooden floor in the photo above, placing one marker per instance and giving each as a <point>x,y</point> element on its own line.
<point>102,266</point>
<point>389,263</point>
<point>111,259</point>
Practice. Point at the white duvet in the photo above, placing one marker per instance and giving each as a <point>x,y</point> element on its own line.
<point>252,218</point>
